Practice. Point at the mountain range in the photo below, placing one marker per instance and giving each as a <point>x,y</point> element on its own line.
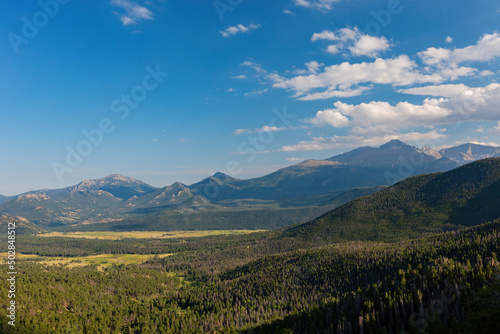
<point>312,187</point>
<point>466,153</point>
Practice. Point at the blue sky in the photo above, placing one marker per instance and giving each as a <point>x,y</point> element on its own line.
<point>177,90</point>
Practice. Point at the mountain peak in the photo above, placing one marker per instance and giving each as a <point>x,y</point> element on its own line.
<point>394,144</point>
<point>119,177</point>
<point>118,185</point>
<point>221,176</point>
<point>429,151</point>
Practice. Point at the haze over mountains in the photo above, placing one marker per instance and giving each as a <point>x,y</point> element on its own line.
<point>318,184</point>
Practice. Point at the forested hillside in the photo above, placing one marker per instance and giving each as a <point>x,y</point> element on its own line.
<point>21,225</point>
<point>466,196</point>
<point>434,284</point>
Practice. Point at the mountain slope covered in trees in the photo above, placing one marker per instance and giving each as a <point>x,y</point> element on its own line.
<point>431,284</point>
<point>468,195</point>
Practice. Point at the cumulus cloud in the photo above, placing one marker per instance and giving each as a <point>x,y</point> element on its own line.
<point>477,142</point>
<point>295,159</point>
<point>265,128</point>
<point>314,66</point>
<point>401,115</point>
<point>369,46</point>
<point>433,66</point>
<point>240,28</point>
<point>256,92</point>
<point>326,143</point>
<point>473,104</point>
<point>357,43</point>
<point>399,71</point>
<point>257,67</point>
<point>449,90</point>
<point>134,13</point>
<point>239,77</point>
<point>341,35</point>
<point>486,49</point>
<point>327,94</point>
<point>321,5</point>
<point>377,122</point>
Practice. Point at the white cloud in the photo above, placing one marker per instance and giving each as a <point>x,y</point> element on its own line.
<point>449,90</point>
<point>353,40</point>
<point>401,115</point>
<point>369,46</point>
<point>331,117</point>
<point>497,128</point>
<point>448,39</point>
<point>377,122</point>
<point>341,35</point>
<point>399,71</point>
<point>327,94</point>
<point>240,28</point>
<point>256,92</point>
<point>239,77</point>
<point>321,5</point>
<point>257,67</point>
<point>295,159</point>
<point>491,143</point>
<point>230,90</point>
<point>265,128</point>
<point>134,13</point>
<point>486,48</point>
<point>314,66</point>
<point>434,56</point>
<point>486,73</point>
<point>437,65</point>
<point>326,143</point>
<point>288,12</point>
<point>333,49</point>
<point>474,104</point>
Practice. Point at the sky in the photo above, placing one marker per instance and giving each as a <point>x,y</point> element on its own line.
<point>167,91</point>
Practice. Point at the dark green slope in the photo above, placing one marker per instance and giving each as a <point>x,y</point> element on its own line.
<point>466,196</point>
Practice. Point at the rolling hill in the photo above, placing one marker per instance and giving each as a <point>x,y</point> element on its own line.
<point>466,196</point>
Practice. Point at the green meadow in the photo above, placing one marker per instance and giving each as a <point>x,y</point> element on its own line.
<point>111,235</point>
